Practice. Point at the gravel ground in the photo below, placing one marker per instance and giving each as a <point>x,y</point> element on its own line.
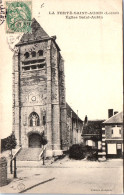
<point>68,176</point>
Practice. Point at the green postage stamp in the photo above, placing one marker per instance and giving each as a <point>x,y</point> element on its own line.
<point>19,16</point>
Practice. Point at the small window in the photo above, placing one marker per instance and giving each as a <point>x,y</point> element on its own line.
<point>119,146</point>
<point>103,131</point>
<point>33,53</point>
<point>44,118</point>
<point>112,131</point>
<point>40,52</point>
<point>26,55</point>
<point>119,131</point>
<point>26,68</point>
<point>33,67</point>
<point>41,66</point>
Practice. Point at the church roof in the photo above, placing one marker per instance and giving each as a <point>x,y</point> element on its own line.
<point>37,34</point>
<point>69,111</point>
<point>117,118</point>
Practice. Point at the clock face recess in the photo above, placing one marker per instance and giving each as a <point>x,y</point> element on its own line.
<point>33,98</point>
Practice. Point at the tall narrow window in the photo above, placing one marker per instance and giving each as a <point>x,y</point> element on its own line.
<point>26,55</point>
<point>44,117</point>
<point>40,52</point>
<point>33,53</point>
<point>34,119</point>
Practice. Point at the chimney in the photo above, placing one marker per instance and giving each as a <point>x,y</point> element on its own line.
<point>115,112</point>
<point>110,113</point>
<point>86,120</point>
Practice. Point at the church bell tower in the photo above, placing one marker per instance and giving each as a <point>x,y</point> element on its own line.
<point>39,92</point>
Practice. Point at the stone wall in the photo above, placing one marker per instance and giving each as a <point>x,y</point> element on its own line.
<point>3,171</point>
<point>74,130</point>
<point>16,96</point>
<point>55,97</point>
<point>63,111</point>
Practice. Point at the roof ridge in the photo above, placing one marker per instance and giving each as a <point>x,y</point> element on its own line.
<point>112,117</point>
<point>73,112</point>
<point>38,33</point>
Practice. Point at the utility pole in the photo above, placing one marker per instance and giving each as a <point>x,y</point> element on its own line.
<point>15,176</point>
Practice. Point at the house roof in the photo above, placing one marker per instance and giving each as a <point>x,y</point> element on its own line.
<point>38,33</point>
<point>69,111</point>
<point>93,127</point>
<point>117,118</point>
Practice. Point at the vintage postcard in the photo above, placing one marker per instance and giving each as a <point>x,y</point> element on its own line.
<point>61,87</point>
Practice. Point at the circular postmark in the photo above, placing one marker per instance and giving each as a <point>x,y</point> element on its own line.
<point>2,13</point>
<point>21,186</point>
<point>18,17</point>
<point>12,40</point>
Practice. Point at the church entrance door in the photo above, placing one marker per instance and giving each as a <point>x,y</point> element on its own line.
<point>34,140</point>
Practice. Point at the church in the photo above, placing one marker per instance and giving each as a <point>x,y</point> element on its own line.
<point>39,103</point>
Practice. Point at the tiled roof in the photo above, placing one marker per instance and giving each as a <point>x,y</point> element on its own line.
<point>117,118</point>
<point>74,115</point>
<point>93,127</point>
<point>37,34</point>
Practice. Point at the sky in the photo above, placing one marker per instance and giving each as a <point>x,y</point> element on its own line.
<point>92,52</point>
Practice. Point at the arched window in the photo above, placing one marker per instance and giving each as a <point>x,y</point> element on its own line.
<point>33,53</point>
<point>40,52</point>
<point>34,119</point>
<point>26,55</point>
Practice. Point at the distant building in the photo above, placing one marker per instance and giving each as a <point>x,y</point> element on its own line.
<point>74,126</point>
<point>112,136</point>
<point>92,133</point>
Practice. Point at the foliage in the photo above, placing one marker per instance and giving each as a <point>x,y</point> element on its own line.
<point>60,157</point>
<point>76,152</point>
<point>92,154</point>
<point>79,151</point>
<point>43,140</point>
<point>8,143</point>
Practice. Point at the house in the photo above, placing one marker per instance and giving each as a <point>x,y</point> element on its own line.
<point>112,136</point>
<point>92,132</point>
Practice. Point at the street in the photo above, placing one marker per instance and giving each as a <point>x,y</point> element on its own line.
<point>69,176</point>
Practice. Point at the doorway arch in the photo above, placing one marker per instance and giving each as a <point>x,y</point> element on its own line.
<point>34,140</point>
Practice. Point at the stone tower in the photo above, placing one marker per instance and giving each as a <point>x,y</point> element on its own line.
<point>39,92</point>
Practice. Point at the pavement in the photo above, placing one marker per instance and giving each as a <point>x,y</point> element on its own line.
<point>67,176</point>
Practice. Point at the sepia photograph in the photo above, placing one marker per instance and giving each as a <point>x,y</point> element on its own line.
<point>61,105</point>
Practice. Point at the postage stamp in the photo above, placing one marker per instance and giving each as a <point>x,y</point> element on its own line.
<point>19,15</point>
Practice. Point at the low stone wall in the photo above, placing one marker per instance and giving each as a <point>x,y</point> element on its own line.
<point>3,171</point>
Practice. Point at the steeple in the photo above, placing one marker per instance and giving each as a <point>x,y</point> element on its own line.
<point>37,34</point>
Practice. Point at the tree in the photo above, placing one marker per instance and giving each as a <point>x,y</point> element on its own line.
<point>43,142</point>
<point>8,143</point>
<point>11,142</point>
